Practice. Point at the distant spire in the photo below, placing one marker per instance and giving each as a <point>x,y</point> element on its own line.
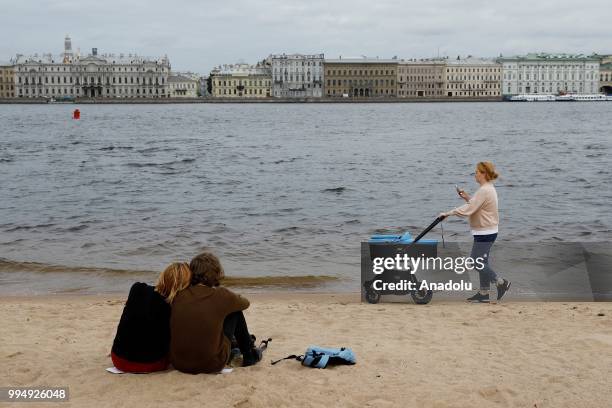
<point>67,44</point>
<point>67,49</point>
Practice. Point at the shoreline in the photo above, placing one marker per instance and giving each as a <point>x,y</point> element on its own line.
<point>144,101</point>
<point>451,355</point>
<point>349,296</point>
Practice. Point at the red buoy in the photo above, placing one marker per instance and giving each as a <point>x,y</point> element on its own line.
<point>76,114</point>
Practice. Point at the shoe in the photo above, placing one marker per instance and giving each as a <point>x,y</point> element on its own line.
<point>503,288</point>
<point>479,298</point>
<point>264,344</point>
<point>234,353</point>
<point>252,357</point>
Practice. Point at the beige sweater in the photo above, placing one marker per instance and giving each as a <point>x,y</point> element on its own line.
<point>481,209</point>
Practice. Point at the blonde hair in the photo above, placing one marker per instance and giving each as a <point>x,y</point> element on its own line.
<point>488,169</point>
<point>206,269</point>
<point>176,277</point>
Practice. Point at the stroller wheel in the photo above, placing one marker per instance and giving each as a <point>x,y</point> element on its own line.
<point>372,296</point>
<point>421,297</point>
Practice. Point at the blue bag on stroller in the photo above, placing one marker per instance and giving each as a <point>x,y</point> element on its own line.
<point>321,357</point>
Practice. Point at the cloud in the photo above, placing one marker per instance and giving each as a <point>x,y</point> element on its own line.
<point>198,35</point>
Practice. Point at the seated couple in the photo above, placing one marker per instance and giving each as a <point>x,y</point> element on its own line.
<point>187,320</point>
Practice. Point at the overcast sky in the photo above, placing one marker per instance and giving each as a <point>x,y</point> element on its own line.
<point>200,34</point>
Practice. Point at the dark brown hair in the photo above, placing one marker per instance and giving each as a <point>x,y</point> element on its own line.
<point>206,269</point>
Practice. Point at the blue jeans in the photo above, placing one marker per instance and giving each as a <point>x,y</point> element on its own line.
<point>480,249</point>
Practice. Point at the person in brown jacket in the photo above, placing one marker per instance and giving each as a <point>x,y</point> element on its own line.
<point>205,318</point>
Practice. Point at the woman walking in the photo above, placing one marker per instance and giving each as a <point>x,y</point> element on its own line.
<point>484,220</point>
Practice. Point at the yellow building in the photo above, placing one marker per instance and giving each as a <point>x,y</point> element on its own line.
<point>473,77</point>
<point>242,81</point>
<point>360,78</point>
<point>421,79</point>
<point>7,81</point>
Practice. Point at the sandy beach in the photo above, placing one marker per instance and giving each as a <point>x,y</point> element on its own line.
<point>438,355</point>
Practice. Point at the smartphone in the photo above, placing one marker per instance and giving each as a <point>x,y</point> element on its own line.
<point>459,191</point>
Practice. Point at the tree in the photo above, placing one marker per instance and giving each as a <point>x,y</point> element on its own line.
<point>209,84</point>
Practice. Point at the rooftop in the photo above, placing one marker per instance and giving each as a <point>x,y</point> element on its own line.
<point>120,59</point>
<point>362,60</point>
<point>471,61</point>
<point>543,56</point>
<point>297,56</point>
<point>241,69</point>
<point>430,59</point>
<point>180,78</point>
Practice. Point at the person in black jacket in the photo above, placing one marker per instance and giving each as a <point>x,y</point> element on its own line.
<point>142,341</point>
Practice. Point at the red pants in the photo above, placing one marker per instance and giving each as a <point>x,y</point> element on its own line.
<point>133,367</point>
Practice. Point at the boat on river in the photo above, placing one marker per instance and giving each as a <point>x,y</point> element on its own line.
<point>560,98</point>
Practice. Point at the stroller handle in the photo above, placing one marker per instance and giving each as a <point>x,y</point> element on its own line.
<point>429,228</point>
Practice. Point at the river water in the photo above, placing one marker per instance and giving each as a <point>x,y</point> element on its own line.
<point>280,190</point>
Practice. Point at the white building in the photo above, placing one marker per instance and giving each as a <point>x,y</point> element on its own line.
<point>550,74</point>
<point>183,86</point>
<point>99,76</point>
<point>297,75</point>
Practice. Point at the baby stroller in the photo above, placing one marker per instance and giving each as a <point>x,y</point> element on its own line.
<point>388,246</point>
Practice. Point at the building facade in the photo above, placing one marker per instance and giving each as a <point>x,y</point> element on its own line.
<point>361,78</point>
<point>182,86</point>
<point>473,78</point>
<point>550,74</point>
<point>421,79</point>
<point>605,78</point>
<point>70,76</point>
<point>7,80</point>
<point>605,75</point>
<point>297,75</point>
<point>242,81</point>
